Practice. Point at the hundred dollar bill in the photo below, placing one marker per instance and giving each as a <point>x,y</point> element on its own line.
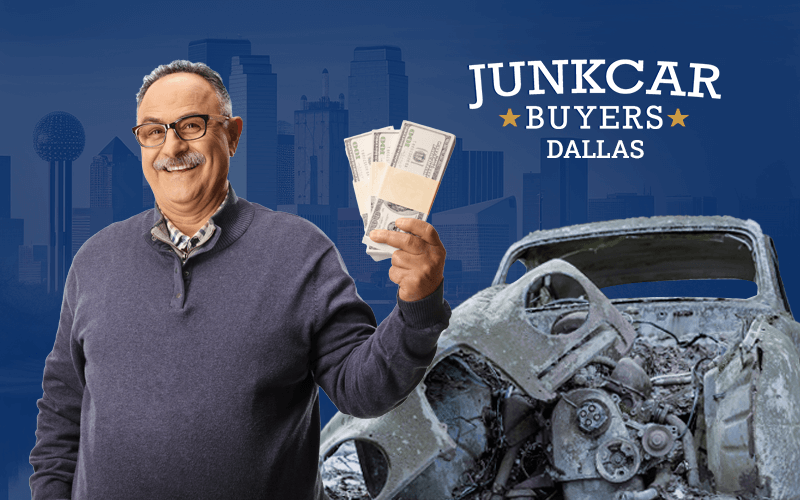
<point>384,215</point>
<point>359,150</point>
<point>384,143</point>
<point>359,154</point>
<point>377,173</point>
<point>362,197</point>
<point>378,255</point>
<point>423,151</point>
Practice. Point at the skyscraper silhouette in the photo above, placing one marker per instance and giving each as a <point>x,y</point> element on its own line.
<point>32,264</point>
<point>285,164</point>
<point>81,227</point>
<point>485,175</point>
<point>12,231</point>
<point>565,189</point>
<point>100,182</point>
<point>101,212</point>
<point>454,188</point>
<point>471,177</point>
<point>321,168</point>
<point>126,179</point>
<point>115,186</point>
<point>217,54</point>
<point>377,89</point>
<point>254,92</point>
<point>59,138</point>
<point>531,202</point>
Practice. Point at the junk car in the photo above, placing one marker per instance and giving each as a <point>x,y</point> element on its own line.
<point>572,382</point>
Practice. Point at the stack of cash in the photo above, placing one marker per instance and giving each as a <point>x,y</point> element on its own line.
<point>396,173</point>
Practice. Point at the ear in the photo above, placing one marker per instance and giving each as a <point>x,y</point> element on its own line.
<point>235,126</point>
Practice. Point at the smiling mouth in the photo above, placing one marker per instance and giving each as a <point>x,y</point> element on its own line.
<point>177,168</point>
<point>183,162</point>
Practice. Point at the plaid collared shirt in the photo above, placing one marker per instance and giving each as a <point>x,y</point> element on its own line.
<point>182,244</point>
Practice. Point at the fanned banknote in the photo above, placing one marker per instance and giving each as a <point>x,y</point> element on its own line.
<point>424,152</point>
<point>359,150</point>
<point>359,154</point>
<point>384,143</point>
<point>377,173</point>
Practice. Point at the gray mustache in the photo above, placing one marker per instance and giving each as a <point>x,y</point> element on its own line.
<point>190,159</point>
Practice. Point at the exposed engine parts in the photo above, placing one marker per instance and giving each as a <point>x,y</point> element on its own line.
<point>604,441</point>
<point>592,417</point>
<point>658,440</point>
<point>617,460</point>
<point>544,389</point>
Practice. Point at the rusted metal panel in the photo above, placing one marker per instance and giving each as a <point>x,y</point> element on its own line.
<point>752,406</point>
<point>535,360</point>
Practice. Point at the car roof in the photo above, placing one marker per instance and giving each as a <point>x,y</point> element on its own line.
<point>657,249</point>
<point>637,225</point>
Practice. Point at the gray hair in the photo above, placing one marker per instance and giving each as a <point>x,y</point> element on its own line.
<point>197,68</point>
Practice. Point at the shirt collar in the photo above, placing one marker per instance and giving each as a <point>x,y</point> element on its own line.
<point>164,228</point>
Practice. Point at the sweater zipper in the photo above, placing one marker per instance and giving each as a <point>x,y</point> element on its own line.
<point>184,255</point>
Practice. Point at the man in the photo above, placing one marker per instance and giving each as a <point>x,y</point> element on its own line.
<point>188,366</point>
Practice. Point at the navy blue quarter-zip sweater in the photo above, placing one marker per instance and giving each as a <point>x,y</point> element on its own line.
<point>199,380</point>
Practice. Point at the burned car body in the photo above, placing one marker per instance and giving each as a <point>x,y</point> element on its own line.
<point>546,388</point>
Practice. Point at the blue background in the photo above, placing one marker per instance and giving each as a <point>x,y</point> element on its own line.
<point>88,58</point>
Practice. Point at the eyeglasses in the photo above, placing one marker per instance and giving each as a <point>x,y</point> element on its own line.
<point>188,128</point>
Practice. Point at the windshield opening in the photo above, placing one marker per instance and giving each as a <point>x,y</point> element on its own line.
<point>668,264</point>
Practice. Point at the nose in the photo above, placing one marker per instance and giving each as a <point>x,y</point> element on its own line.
<point>173,145</point>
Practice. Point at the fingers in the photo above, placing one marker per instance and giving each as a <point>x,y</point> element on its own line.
<point>406,260</point>
<point>413,241</point>
<point>397,274</point>
<point>419,228</point>
<point>418,264</point>
<point>413,285</point>
<point>404,241</point>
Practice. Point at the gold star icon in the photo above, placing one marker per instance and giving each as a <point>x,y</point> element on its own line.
<point>509,117</point>
<point>677,118</point>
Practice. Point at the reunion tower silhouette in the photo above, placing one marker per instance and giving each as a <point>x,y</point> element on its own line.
<point>59,138</point>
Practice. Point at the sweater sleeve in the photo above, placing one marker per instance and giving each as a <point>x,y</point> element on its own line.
<point>55,454</point>
<point>367,371</point>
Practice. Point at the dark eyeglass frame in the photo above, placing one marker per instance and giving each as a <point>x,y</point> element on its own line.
<point>174,127</point>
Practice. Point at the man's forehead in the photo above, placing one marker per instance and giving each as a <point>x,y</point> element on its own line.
<point>178,93</point>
